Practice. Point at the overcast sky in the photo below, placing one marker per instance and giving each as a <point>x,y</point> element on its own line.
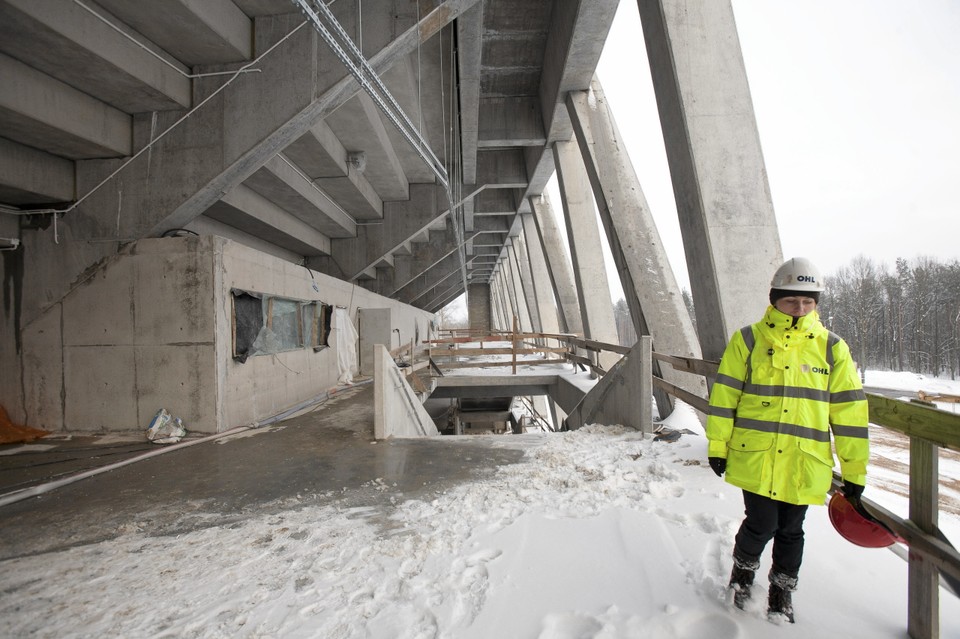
<point>858,107</point>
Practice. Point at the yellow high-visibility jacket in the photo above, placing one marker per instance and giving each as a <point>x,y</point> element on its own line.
<point>780,391</point>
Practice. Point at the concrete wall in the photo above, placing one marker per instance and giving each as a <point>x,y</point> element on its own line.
<point>266,385</point>
<point>151,327</point>
<point>133,335</point>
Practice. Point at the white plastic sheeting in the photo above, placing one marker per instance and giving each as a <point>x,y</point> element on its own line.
<point>345,337</point>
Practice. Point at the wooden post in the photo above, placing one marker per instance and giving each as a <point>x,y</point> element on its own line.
<point>646,384</point>
<point>923,579</point>
<point>513,345</point>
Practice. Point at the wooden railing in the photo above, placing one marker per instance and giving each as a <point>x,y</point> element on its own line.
<point>930,552</point>
<point>928,429</point>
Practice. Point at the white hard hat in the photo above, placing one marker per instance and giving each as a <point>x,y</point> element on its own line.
<point>798,274</point>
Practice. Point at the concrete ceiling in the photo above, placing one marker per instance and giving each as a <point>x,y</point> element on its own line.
<point>307,162</point>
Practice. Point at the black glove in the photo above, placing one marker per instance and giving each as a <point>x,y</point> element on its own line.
<point>852,491</point>
<point>718,464</point>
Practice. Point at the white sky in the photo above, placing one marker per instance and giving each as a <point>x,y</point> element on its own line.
<point>598,533</point>
<point>858,109</point>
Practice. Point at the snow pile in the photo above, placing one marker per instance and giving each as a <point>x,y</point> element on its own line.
<point>599,533</point>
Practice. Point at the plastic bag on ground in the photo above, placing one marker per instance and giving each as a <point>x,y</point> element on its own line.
<point>165,429</point>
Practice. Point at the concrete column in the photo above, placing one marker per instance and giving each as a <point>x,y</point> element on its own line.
<point>504,298</point>
<point>509,303</point>
<point>648,282</point>
<point>558,266</point>
<point>494,307</point>
<point>589,271</point>
<point>713,148</point>
<point>518,290</point>
<point>478,307</point>
<point>543,291</point>
<point>529,288</point>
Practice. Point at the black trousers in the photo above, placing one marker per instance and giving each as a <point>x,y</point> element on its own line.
<point>768,519</point>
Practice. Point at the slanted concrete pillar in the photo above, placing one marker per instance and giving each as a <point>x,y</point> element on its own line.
<point>519,297</point>
<point>496,296</point>
<point>730,234</point>
<point>529,286</point>
<point>546,308</point>
<point>558,266</point>
<point>589,271</point>
<point>648,282</point>
<point>509,294</point>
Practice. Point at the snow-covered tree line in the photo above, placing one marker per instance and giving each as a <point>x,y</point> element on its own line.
<point>904,319</point>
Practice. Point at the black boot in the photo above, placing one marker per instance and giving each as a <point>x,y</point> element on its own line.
<point>741,578</point>
<point>780,601</point>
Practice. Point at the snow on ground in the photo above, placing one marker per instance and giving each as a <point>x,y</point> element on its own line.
<point>600,533</point>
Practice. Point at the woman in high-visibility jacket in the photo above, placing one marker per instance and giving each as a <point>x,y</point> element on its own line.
<point>785,385</point>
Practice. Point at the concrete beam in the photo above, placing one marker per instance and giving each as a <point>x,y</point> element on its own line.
<point>402,222</point>
<point>359,122</point>
<point>424,257</point>
<point>247,210</point>
<point>511,122</point>
<point>441,273</point>
<point>469,50</point>
<point>716,164</point>
<point>504,168</point>
<point>578,30</point>
<point>443,297</point>
<point>286,186</point>
<point>30,176</point>
<point>196,32</point>
<point>496,202</point>
<point>33,107</point>
<point>71,44</point>
<point>426,102</point>
<point>321,156</point>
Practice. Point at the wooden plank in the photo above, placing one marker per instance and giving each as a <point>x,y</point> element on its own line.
<point>417,383</point>
<point>936,426</point>
<point>586,363</point>
<point>464,352</point>
<point>521,362</point>
<point>594,345</point>
<point>694,400</point>
<point>416,366</point>
<point>938,397</point>
<point>690,364</point>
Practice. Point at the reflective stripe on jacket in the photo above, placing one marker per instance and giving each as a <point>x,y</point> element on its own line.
<point>775,403</point>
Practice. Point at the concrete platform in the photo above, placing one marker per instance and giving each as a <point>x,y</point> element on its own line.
<point>325,455</point>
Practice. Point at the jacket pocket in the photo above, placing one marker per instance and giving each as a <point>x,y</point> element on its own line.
<point>746,454</point>
<point>816,469</point>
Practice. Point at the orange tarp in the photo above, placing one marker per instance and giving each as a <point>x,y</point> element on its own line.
<point>11,433</point>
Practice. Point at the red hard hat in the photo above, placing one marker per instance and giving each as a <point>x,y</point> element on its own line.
<point>855,527</point>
